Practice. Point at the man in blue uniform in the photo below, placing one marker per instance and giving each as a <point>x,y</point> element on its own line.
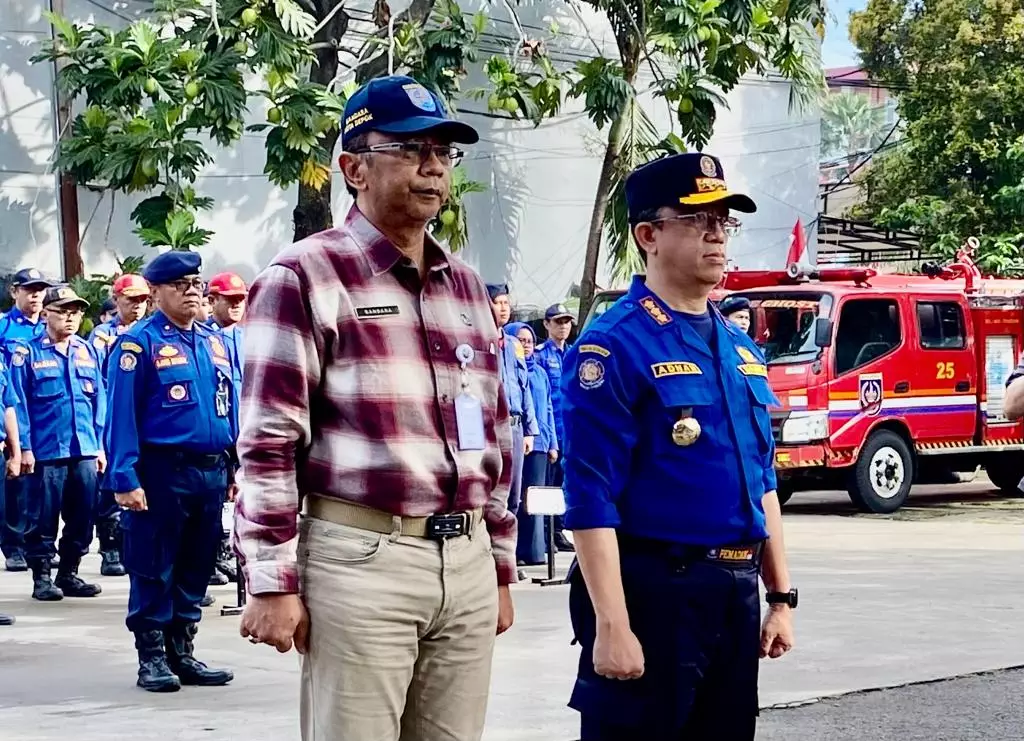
<point>10,445</point>
<point>551,356</point>
<point>61,419</point>
<point>516,379</point>
<point>131,299</point>
<point>169,380</point>
<point>20,324</point>
<point>669,484</point>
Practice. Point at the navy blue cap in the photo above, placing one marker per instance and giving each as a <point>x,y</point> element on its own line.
<point>497,289</point>
<point>732,304</point>
<point>61,296</point>
<point>691,179</point>
<point>555,311</point>
<point>172,266</point>
<point>400,105</point>
<point>31,277</point>
<point>107,305</point>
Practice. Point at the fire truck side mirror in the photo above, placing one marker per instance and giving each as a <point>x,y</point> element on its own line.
<point>823,332</point>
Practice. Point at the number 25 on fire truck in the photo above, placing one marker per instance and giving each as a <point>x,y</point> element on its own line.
<point>882,377</point>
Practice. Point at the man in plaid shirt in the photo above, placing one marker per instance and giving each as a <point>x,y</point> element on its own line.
<point>372,405</point>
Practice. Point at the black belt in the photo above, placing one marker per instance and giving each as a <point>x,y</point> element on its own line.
<point>733,554</point>
<point>186,457</point>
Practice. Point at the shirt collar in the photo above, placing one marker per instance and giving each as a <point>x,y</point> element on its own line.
<point>381,253</point>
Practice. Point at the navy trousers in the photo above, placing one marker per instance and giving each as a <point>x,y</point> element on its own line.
<point>171,548</point>
<point>61,489</point>
<point>13,515</point>
<point>531,545</point>
<point>698,623</point>
<point>514,494</point>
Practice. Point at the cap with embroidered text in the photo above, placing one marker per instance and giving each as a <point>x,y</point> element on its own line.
<point>59,297</point>
<point>27,277</point>
<point>227,284</point>
<point>131,285</point>
<point>681,180</point>
<point>400,105</point>
<point>557,311</point>
<point>172,266</point>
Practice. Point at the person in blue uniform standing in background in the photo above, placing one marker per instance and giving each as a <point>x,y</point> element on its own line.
<point>20,324</point>
<point>531,546</point>
<point>61,419</point>
<point>169,380</point>
<point>551,356</point>
<point>131,299</point>
<point>10,445</point>
<point>516,380</point>
<point>670,485</point>
<point>228,296</point>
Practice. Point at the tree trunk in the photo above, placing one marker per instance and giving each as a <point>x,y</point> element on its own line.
<point>312,213</point>
<point>588,284</point>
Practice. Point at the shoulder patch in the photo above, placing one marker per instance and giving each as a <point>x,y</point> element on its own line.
<point>653,308</point>
<point>130,346</point>
<point>596,349</point>
<point>591,373</point>
<point>128,363</point>
<point>753,369</point>
<point>746,355</point>
<point>520,352</point>
<point>18,359</point>
<point>676,368</point>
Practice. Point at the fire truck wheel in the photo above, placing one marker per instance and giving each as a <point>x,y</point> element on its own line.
<point>1005,473</point>
<point>880,480</point>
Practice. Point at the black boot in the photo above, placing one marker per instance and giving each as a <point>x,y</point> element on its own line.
<point>111,564</point>
<point>154,674</point>
<point>6,619</point>
<point>16,562</point>
<point>189,669</point>
<point>217,579</point>
<point>110,549</point>
<point>69,582</point>
<point>43,588</point>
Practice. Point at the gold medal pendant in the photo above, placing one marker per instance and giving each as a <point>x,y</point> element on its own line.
<point>685,431</point>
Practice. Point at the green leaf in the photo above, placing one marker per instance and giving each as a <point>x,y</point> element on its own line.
<point>178,225</point>
<point>65,28</point>
<point>294,20</point>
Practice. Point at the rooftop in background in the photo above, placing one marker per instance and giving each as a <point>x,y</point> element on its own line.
<point>839,76</point>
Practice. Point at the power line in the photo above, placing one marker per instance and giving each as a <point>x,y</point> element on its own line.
<point>867,159</point>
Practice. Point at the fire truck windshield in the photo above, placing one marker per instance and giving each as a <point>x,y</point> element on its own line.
<point>782,323</point>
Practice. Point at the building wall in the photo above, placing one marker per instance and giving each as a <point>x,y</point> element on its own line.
<point>529,227</point>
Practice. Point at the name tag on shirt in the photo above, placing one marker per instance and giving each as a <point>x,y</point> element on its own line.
<point>469,418</point>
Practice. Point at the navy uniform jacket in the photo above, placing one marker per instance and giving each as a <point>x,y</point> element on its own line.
<point>552,360</point>
<point>16,328</point>
<point>8,398</point>
<point>516,379</point>
<point>164,383</point>
<point>63,404</point>
<point>632,374</point>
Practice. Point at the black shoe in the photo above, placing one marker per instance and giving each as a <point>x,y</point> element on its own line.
<point>562,544</point>
<point>6,619</point>
<point>154,673</point>
<point>207,600</point>
<point>217,579</point>
<point>522,575</point>
<point>227,567</point>
<point>43,588</point>
<point>111,565</point>
<point>74,586</point>
<point>179,645</point>
<point>16,562</point>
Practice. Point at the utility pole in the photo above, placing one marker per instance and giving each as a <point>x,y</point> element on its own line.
<point>68,191</point>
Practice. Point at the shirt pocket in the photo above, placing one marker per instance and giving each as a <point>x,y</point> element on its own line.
<point>178,386</point>
<point>761,399</point>
<point>686,396</point>
<point>48,385</point>
<point>87,379</point>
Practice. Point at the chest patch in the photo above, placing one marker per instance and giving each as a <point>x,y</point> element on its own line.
<point>44,364</point>
<point>676,368</point>
<point>753,369</point>
<point>371,312</point>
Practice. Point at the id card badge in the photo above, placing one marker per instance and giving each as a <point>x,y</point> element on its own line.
<point>469,418</point>
<point>222,401</point>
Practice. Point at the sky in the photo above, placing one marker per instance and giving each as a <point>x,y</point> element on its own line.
<point>837,50</point>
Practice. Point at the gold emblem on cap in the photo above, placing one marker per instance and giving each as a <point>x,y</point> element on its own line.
<point>685,431</point>
<point>707,166</point>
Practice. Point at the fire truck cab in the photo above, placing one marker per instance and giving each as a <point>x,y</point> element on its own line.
<point>882,377</point>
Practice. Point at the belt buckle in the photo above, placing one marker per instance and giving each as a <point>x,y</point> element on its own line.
<point>734,554</point>
<point>449,525</point>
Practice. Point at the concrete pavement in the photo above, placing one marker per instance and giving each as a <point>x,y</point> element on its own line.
<point>930,592</point>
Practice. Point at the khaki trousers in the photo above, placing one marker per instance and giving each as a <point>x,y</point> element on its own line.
<point>401,634</point>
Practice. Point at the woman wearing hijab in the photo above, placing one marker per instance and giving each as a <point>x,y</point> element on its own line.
<point>531,547</point>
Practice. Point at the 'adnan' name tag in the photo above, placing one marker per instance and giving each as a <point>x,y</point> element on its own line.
<point>371,312</point>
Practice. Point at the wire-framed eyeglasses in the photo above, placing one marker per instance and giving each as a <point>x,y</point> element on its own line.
<point>413,152</point>
<point>708,222</point>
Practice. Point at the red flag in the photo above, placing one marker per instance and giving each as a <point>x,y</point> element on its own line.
<point>797,244</point>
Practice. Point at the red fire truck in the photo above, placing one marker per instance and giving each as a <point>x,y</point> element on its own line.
<point>884,377</point>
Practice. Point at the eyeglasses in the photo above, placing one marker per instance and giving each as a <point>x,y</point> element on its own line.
<point>708,222</point>
<point>65,313</point>
<point>416,152</point>
<point>183,286</point>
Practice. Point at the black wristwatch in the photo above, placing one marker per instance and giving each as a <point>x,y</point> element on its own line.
<point>782,598</point>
